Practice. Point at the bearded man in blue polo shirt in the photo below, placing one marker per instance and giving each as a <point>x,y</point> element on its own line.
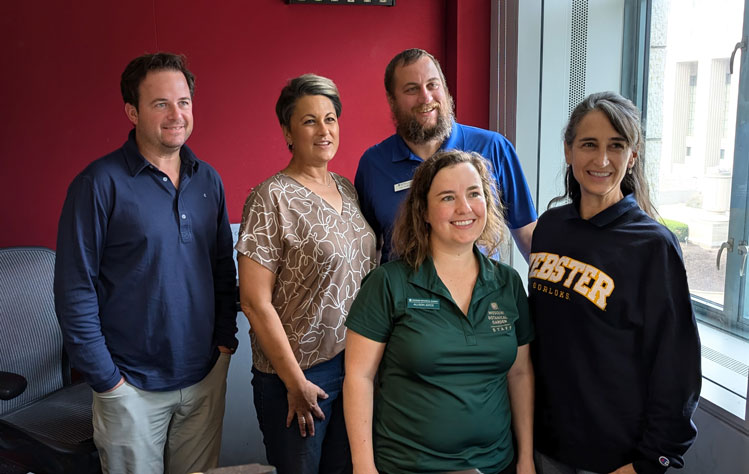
<point>145,283</point>
<point>422,110</point>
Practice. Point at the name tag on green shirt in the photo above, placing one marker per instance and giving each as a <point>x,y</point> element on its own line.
<point>423,303</point>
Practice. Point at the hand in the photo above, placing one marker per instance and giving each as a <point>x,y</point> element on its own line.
<point>628,469</point>
<point>303,405</point>
<point>225,350</point>
<point>122,380</point>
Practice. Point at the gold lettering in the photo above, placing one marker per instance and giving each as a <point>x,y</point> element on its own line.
<point>588,273</point>
<point>601,289</point>
<point>574,267</point>
<point>588,281</point>
<point>559,270</point>
<point>534,262</point>
<point>549,263</point>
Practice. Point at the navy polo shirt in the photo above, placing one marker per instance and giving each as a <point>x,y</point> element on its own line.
<point>386,169</point>
<point>144,276</point>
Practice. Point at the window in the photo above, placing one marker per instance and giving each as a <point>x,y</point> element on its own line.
<point>699,166</point>
<point>673,60</point>
<point>691,93</point>
<point>727,116</point>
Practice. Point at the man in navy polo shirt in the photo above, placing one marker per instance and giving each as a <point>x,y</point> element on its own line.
<point>422,110</point>
<point>145,283</point>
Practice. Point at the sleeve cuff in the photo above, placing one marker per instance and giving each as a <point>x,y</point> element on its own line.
<point>107,384</point>
<point>230,342</point>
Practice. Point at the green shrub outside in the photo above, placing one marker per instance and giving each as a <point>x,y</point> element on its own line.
<point>680,229</point>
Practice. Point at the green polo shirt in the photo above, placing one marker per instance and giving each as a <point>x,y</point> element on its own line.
<point>441,402</point>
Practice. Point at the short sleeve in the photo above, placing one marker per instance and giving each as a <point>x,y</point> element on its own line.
<point>261,232</point>
<point>372,312</point>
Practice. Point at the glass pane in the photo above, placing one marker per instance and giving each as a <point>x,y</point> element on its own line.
<point>691,126</point>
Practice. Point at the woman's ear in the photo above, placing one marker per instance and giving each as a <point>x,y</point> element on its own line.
<point>567,154</point>
<point>632,160</point>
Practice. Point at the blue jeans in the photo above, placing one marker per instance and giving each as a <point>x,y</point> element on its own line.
<point>328,451</point>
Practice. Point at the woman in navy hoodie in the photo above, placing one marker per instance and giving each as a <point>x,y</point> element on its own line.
<point>617,353</point>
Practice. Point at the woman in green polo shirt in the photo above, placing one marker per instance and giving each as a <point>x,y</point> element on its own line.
<point>447,331</point>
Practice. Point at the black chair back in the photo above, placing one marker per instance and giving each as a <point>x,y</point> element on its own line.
<point>30,338</point>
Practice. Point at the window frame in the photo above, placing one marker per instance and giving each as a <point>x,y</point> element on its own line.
<point>635,75</point>
<point>634,84</point>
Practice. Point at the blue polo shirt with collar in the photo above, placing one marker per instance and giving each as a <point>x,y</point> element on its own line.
<point>385,171</point>
<point>144,276</point>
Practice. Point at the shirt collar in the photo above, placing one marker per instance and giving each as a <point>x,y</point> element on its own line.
<point>455,140</point>
<point>137,163</point>
<point>403,153</point>
<point>426,275</point>
<point>608,215</point>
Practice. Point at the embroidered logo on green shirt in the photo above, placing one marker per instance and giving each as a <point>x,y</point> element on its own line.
<point>498,319</point>
<point>421,303</point>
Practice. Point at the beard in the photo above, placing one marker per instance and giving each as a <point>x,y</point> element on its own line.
<point>415,132</point>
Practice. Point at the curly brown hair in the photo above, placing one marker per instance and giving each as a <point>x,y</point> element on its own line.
<point>410,239</point>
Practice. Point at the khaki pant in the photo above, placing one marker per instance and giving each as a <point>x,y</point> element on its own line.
<point>177,432</point>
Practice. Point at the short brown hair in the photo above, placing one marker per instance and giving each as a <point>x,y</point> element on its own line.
<point>306,84</point>
<point>410,240</point>
<point>137,70</point>
<point>404,58</point>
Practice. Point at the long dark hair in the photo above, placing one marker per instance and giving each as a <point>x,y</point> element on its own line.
<point>625,118</point>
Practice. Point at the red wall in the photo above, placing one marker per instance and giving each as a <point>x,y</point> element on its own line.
<point>61,107</point>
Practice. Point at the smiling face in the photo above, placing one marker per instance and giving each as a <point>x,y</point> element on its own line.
<point>313,130</point>
<point>163,120</point>
<point>456,208</point>
<point>421,104</point>
<point>599,157</point>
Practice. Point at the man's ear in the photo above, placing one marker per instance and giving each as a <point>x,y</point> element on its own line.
<point>132,113</point>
